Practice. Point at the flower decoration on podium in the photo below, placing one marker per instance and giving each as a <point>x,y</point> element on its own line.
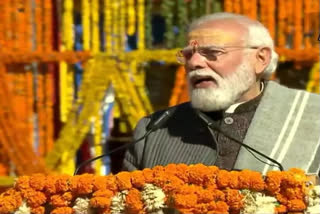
<point>188,189</point>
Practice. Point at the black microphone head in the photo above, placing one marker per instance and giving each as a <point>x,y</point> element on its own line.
<point>205,118</point>
<point>164,117</point>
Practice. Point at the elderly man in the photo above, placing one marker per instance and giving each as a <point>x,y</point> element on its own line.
<point>228,59</point>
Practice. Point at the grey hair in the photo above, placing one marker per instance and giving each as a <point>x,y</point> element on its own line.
<point>258,35</point>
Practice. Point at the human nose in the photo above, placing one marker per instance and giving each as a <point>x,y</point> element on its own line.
<point>196,61</point>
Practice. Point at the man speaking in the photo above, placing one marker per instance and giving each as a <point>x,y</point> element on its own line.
<point>236,118</point>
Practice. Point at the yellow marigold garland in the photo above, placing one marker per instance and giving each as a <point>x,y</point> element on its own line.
<point>141,25</point>
<point>86,14</point>
<point>189,189</point>
<point>108,26</point>
<point>97,123</point>
<point>313,83</point>
<point>95,26</point>
<point>66,76</point>
<point>122,25</point>
<point>115,27</point>
<point>131,17</point>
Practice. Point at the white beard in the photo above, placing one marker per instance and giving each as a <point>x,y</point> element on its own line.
<point>228,89</point>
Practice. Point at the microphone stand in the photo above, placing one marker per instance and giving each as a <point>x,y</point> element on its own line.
<point>155,125</point>
<point>110,152</point>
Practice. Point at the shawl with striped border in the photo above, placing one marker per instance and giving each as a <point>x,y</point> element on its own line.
<point>286,127</point>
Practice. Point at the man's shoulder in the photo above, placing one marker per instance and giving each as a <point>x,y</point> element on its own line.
<point>180,112</point>
<point>276,87</point>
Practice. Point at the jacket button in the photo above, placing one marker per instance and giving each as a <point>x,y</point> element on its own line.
<point>228,120</point>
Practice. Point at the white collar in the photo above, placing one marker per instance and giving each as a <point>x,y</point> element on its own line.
<point>233,107</point>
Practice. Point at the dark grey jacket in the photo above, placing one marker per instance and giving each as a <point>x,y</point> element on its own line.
<point>185,138</point>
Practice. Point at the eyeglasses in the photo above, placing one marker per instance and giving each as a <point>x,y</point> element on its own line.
<point>211,53</point>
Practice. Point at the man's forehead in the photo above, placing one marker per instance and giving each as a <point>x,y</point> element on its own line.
<point>212,36</point>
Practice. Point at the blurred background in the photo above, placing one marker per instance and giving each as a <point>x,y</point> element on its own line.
<point>77,75</point>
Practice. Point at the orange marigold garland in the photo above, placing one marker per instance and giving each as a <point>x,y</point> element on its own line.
<point>189,189</point>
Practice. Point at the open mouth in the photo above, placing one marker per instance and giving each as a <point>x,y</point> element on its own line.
<point>203,81</point>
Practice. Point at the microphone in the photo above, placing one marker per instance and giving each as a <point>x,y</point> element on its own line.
<point>154,126</point>
<point>211,125</point>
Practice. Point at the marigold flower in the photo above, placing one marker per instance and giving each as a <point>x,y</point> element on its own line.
<point>234,181</point>
<point>50,185</point>
<point>181,170</point>
<point>123,180</point>
<point>218,195</point>
<point>294,178</point>
<point>99,183</point>
<point>58,201</point>
<point>185,200</point>
<point>212,206</point>
<point>111,183</point>
<point>205,195</point>
<point>281,198</point>
<point>82,184</point>
<point>172,184</point>
<point>171,169</point>
<point>160,178</point>
<point>103,193</point>
<point>10,201</point>
<point>158,168</point>
<point>296,205</point>
<point>293,193</point>
<point>186,196</point>
<point>273,181</point>
<point>186,210</point>
<point>200,208</point>
<point>211,176</point>
<point>234,199</point>
<point>251,180</point>
<point>100,202</point>
<point>223,179</point>
<point>68,196</point>
<point>37,210</point>
<point>101,199</point>
<point>64,210</point>
<point>222,207</point>
<point>62,183</point>
<point>22,183</point>
<point>37,182</point>
<point>35,198</point>
<point>280,209</point>
<point>134,204</point>
<point>187,189</point>
<point>148,175</point>
<point>297,171</point>
<point>137,179</point>
<point>197,174</point>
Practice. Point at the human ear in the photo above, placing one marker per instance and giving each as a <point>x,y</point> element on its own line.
<point>263,58</point>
